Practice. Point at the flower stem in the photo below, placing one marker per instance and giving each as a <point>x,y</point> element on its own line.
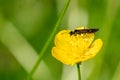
<point>78,69</point>
<point>50,38</point>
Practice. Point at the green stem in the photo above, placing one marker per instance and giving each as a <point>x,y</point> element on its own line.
<point>50,38</point>
<point>78,69</point>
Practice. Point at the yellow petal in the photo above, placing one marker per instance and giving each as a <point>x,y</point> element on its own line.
<point>62,56</point>
<point>62,38</point>
<point>92,50</point>
<point>80,28</point>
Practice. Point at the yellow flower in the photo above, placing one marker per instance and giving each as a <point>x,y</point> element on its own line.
<point>76,46</point>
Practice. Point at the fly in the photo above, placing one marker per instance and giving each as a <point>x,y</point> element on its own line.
<point>81,31</point>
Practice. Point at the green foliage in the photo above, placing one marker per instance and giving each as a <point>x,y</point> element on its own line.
<point>26,25</point>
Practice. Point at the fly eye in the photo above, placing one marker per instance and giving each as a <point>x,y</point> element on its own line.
<point>71,32</point>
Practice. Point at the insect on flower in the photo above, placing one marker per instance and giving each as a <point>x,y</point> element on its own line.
<point>83,31</point>
<point>72,47</point>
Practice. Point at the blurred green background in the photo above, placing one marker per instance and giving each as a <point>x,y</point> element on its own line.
<point>25,26</point>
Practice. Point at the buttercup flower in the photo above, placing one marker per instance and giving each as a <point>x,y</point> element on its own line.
<point>72,47</point>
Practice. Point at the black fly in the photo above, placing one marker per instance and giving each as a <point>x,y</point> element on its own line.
<point>83,31</point>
